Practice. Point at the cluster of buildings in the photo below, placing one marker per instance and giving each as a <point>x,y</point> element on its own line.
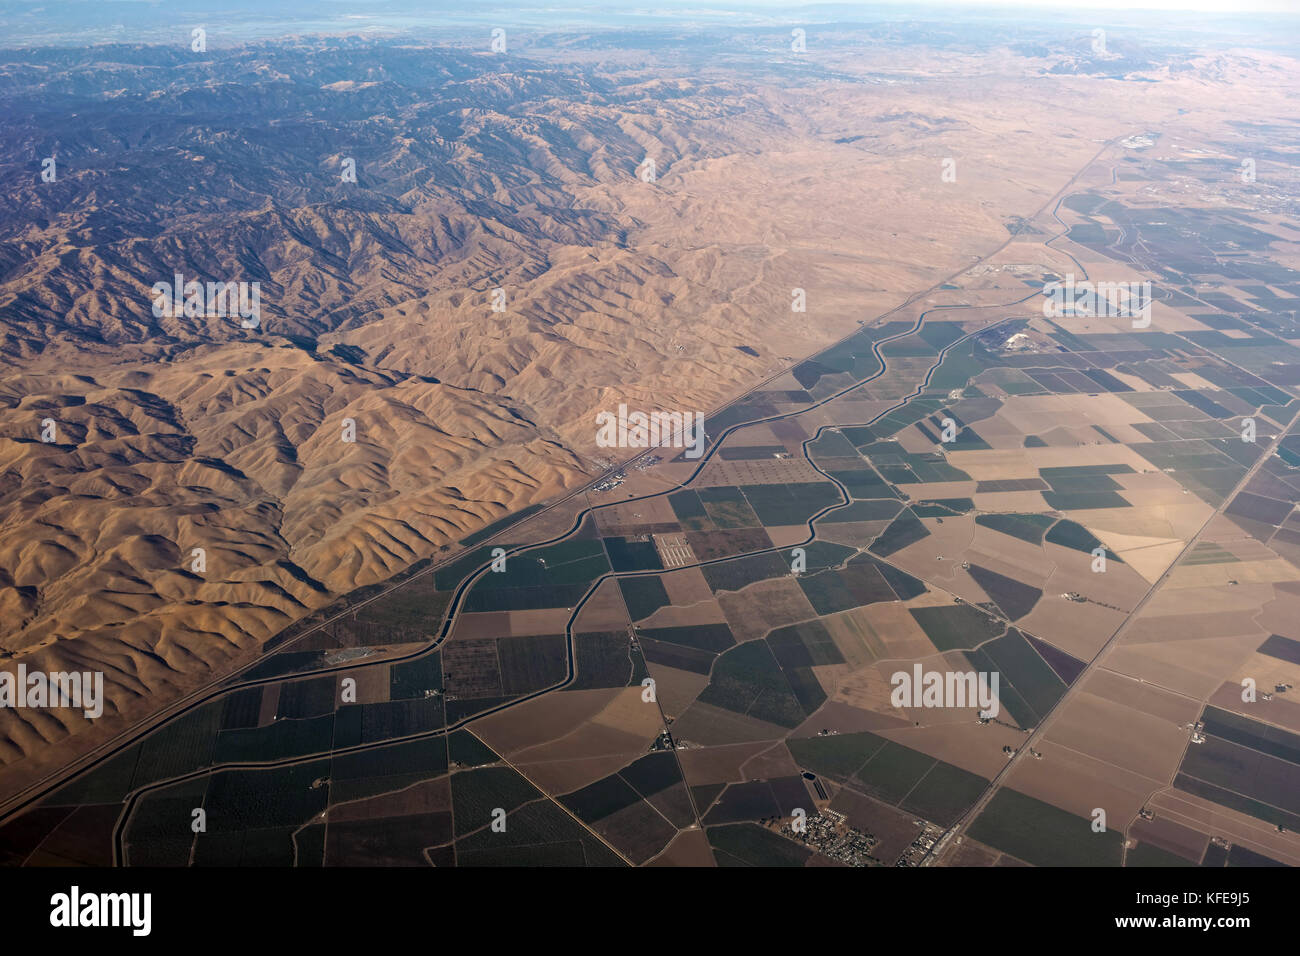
<point>921,846</point>
<point>616,479</point>
<point>610,483</point>
<point>1140,141</point>
<point>829,833</point>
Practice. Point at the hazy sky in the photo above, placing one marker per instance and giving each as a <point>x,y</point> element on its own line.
<point>1218,6</point>
<point>1214,6</point>
<point>65,22</point>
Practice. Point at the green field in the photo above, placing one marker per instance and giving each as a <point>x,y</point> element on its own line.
<point>1042,834</point>
<point>956,626</point>
<point>748,844</point>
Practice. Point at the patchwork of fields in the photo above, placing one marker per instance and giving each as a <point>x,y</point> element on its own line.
<point>674,670</point>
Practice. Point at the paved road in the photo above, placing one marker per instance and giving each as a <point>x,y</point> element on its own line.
<point>22,800</point>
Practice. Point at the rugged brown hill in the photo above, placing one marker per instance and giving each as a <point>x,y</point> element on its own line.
<point>474,173</point>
